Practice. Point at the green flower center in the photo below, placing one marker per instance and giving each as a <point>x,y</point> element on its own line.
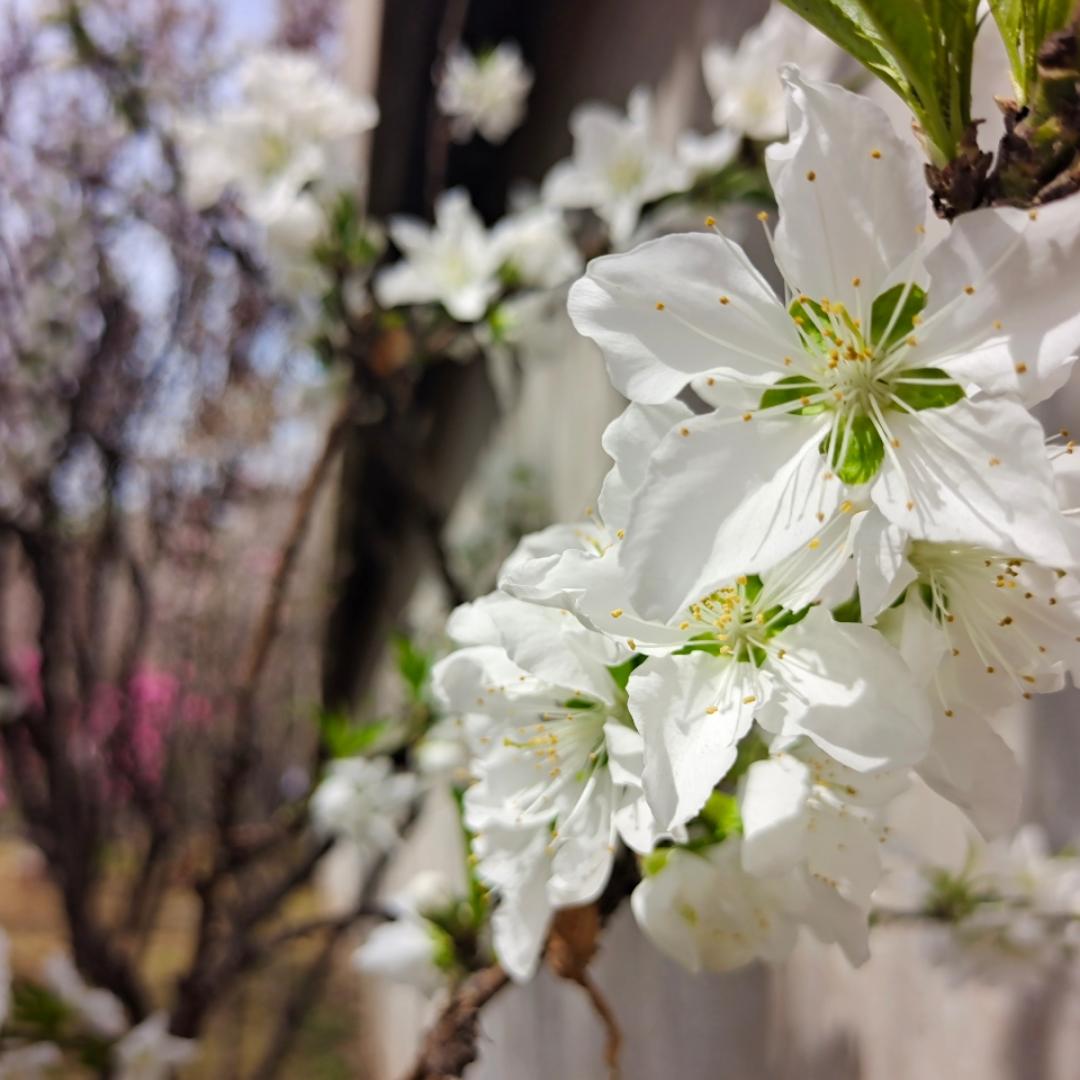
<point>859,374</point>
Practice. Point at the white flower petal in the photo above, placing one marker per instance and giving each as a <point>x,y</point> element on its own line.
<point>691,711</point>
<point>1018,328</point>
<point>516,863</point>
<point>845,214</point>
<point>881,568</point>
<point>727,498</point>
<point>974,472</point>
<point>849,692</point>
<point>629,440</point>
<point>774,815</point>
<point>973,767</point>
<point>653,351</point>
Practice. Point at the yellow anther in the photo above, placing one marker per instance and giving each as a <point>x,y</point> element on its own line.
<point>711,710</point>
<point>787,361</point>
<point>895,443</point>
<point>763,215</point>
<point>811,176</point>
<point>749,699</point>
<point>1033,214</point>
<point>856,281</point>
<point>616,613</point>
<point>741,579</point>
<point>660,305</point>
<point>814,544</point>
<point>631,642</point>
<point>710,381</point>
<point>920,229</point>
<point>875,154</point>
<point>820,516</point>
<point>1021,368</point>
<point>949,712</point>
<point>970,290</point>
<point>725,300</point>
<point>847,506</point>
<point>684,625</point>
<point>620,533</point>
<point>710,221</point>
<point>910,505</point>
<point>747,416</point>
<point>994,461</point>
<point>912,341</point>
<point>998,325</point>
<point>684,432</point>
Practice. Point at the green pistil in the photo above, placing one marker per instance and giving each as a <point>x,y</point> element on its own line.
<point>853,380</point>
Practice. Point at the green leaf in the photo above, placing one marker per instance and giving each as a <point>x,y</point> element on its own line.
<point>793,388</point>
<point>1024,25</point>
<point>413,664</point>
<point>920,396</point>
<point>864,455</point>
<point>721,813</point>
<point>655,861</point>
<point>621,672</point>
<point>886,318</point>
<point>921,49</point>
<point>342,738</point>
<point>850,611</point>
<point>36,1007</point>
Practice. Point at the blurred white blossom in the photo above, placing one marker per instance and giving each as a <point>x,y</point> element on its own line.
<point>30,1062</point>
<point>619,163</point>
<point>98,1009</point>
<point>363,800</point>
<point>748,96</point>
<point>454,262</point>
<point>485,92</point>
<point>149,1052</point>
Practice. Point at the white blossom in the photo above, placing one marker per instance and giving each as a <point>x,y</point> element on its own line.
<point>754,648</point>
<point>282,148</point>
<point>290,121</point>
<point>619,163</point>
<point>406,949</point>
<point>536,249</point>
<point>149,1052</point>
<point>551,788</point>
<point>98,1009</point>
<point>706,912</point>
<point>869,382</point>
<point>455,262</point>
<point>804,812</point>
<point>30,1062</point>
<point>744,82</point>
<point>484,92</point>
<point>363,800</point>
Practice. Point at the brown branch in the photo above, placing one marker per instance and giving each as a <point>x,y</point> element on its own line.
<point>450,1046</point>
<point>613,1036</point>
<point>438,127</point>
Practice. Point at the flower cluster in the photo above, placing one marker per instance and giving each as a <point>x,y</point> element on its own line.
<point>282,149</point>
<point>85,1021</point>
<point>814,583</point>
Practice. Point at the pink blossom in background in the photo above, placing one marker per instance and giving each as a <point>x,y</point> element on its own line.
<point>157,705</point>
